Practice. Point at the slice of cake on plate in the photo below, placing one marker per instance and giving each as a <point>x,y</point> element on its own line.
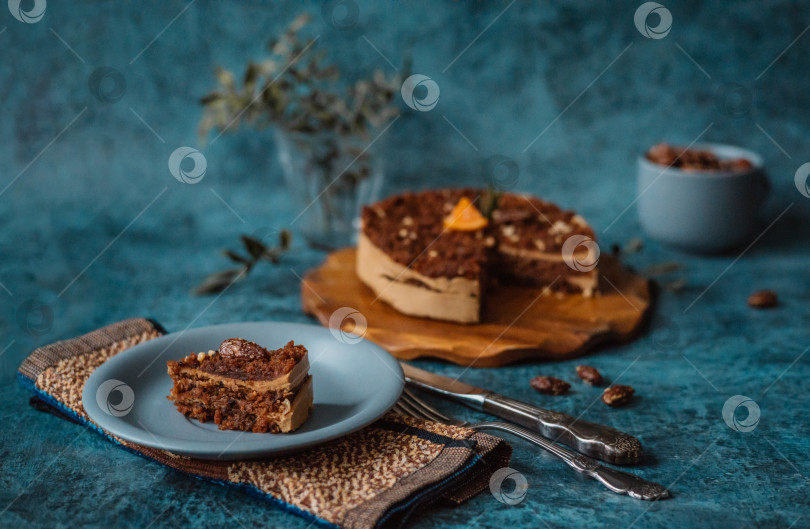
<point>432,253</point>
<point>244,386</point>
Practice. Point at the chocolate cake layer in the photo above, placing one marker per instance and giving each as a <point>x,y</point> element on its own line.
<point>241,408</point>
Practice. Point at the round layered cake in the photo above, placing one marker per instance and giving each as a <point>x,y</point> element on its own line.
<point>432,253</point>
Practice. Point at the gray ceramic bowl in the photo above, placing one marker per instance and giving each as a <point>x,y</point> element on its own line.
<point>702,211</point>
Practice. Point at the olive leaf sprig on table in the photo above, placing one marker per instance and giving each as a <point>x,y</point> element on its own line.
<point>256,251</point>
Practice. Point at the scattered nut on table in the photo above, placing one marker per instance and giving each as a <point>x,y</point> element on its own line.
<point>764,299</point>
<point>617,395</point>
<point>550,385</point>
<point>589,375</point>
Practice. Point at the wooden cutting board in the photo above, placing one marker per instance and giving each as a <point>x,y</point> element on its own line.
<point>517,322</point>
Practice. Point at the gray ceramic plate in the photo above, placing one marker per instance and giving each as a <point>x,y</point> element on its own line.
<point>355,382</point>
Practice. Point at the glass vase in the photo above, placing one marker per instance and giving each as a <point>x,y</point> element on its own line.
<point>330,177</point>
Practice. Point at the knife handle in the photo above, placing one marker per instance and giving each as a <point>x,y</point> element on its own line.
<point>595,440</point>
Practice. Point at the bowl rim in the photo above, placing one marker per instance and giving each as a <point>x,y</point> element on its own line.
<point>727,150</point>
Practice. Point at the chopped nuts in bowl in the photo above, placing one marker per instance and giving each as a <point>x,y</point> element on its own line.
<point>703,199</point>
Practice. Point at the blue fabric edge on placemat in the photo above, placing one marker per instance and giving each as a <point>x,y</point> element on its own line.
<point>406,506</point>
<point>436,489</point>
<point>249,489</point>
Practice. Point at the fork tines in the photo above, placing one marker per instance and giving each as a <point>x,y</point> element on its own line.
<point>412,406</point>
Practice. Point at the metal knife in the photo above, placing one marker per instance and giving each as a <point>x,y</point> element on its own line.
<point>595,440</point>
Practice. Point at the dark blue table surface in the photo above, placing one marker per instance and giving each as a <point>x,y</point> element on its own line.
<point>95,227</point>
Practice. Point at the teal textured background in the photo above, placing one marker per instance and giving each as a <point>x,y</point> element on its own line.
<point>89,209</point>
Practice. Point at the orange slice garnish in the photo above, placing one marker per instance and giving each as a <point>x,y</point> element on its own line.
<point>465,217</point>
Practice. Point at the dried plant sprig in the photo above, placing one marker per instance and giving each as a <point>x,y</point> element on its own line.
<point>256,251</point>
<point>489,201</point>
<point>296,89</point>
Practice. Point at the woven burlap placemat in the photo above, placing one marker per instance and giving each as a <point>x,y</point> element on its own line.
<point>374,477</point>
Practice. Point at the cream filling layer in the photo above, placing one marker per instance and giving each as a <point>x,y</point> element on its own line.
<point>298,410</point>
<point>453,299</point>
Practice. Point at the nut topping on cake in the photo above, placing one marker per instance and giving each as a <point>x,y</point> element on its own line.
<point>560,228</point>
<point>237,347</point>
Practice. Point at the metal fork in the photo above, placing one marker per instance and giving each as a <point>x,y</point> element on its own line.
<point>616,480</point>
